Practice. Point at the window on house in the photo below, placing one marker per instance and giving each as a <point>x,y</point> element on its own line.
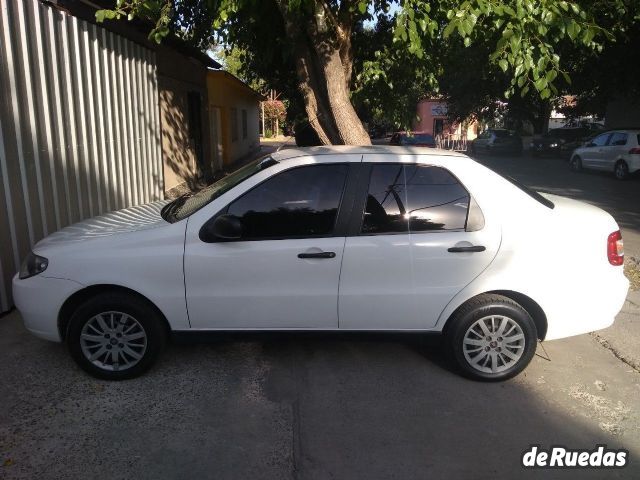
<point>234,124</point>
<point>244,124</point>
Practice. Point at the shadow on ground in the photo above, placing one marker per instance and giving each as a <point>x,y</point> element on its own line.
<point>290,406</point>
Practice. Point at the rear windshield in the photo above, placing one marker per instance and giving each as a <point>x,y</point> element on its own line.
<point>532,193</point>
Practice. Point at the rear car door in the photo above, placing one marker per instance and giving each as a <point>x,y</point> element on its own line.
<point>417,239</point>
<point>616,148</point>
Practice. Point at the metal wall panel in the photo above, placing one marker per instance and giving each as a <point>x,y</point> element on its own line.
<point>79,126</point>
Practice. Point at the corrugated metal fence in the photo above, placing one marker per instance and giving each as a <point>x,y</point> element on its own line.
<point>79,126</point>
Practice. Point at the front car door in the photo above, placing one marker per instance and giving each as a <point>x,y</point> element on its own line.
<point>399,270</point>
<point>592,155</point>
<point>284,270</point>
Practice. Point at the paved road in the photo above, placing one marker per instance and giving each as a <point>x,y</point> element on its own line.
<point>551,175</point>
<point>320,406</point>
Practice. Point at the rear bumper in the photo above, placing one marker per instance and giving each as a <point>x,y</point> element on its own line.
<point>39,299</point>
<point>589,309</point>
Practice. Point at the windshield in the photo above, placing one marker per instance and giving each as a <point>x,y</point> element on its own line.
<point>186,205</point>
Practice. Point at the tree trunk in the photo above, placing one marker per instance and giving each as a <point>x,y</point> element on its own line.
<point>323,66</point>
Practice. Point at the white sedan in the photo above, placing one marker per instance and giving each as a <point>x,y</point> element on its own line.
<point>332,238</point>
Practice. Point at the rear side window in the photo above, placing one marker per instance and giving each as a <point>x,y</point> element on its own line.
<point>618,139</point>
<point>414,198</point>
<point>301,202</point>
<point>435,199</point>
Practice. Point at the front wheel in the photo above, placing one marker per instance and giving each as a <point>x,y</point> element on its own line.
<point>575,164</point>
<point>115,336</point>
<point>492,338</point>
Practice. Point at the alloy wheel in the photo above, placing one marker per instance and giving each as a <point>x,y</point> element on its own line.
<point>493,344</point>
<point>113,341</point>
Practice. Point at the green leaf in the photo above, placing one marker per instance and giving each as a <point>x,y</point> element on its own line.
<point>362,7</point>
<point>504,65</point>
<point>100,15</point>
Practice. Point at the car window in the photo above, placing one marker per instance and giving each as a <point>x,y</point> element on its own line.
<point>416,198</point>
<point>301,202</point>
<point>601,140</point>
<point>435,199</point>
<point>386,198</point>
<point>618,139</point>
<point>421,138</point>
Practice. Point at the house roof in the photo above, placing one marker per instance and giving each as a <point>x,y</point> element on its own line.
<point>136,30</point>
<point>223,74</point>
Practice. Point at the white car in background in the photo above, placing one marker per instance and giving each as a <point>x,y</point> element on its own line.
<point>332,238</point>
<point>616,151</point>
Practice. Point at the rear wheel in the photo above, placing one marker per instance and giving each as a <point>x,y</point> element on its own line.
<point>115,336</point>
<point>621,170</point>
<point>575,164</point>
<point>492,338</point>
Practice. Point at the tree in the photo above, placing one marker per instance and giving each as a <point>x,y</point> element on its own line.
<point>313,40</point>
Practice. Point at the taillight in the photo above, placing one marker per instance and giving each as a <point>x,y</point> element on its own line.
<point>615,248</point>
<point>635,150</point>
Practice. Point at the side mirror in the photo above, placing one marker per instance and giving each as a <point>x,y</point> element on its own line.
<point>221,228</point>
<point>590,144</point>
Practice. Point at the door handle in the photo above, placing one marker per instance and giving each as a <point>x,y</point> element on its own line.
<point>317,255</point>
<point>473,248</point>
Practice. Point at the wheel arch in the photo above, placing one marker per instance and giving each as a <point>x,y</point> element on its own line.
<point>75,300</point>
<point>530,305</point>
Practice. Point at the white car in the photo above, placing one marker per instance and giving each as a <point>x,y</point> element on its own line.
<point>332,238</point>
<point>616,151</point>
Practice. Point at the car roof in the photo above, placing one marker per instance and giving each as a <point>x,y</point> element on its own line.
<point>291,153</point>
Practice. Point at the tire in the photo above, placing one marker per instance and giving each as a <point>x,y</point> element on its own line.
<point>120,325</point>
<point>621,170</point>
<point>575,164</point>
<point>502,360</point>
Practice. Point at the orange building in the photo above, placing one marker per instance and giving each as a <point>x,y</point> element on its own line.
<point>433,119</point>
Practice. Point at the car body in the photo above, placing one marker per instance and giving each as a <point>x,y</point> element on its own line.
<point>414,139</point>
<point>332,238</point>
<point>615,151</point>
<point>560,141</point>
<point>497,140</point>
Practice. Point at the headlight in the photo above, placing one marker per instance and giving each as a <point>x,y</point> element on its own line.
<point>553,145</point>
<point>33,265</point>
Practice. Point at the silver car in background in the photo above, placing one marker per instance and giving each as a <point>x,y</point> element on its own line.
<point>616,151</point>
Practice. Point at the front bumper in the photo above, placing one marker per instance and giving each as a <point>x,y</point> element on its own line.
<point>39,299</point>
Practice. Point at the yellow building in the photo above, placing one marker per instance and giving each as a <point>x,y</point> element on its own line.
<point>234,118</point>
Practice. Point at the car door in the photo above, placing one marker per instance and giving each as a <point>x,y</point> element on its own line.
<point>616,147</point>
<point>283,271</point>
<point>417,240</point>
<point>593,154</point>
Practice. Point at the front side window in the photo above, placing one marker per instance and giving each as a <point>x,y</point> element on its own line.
<point>414,198</point>
<point>601,140</point>
<point>301,202</point>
